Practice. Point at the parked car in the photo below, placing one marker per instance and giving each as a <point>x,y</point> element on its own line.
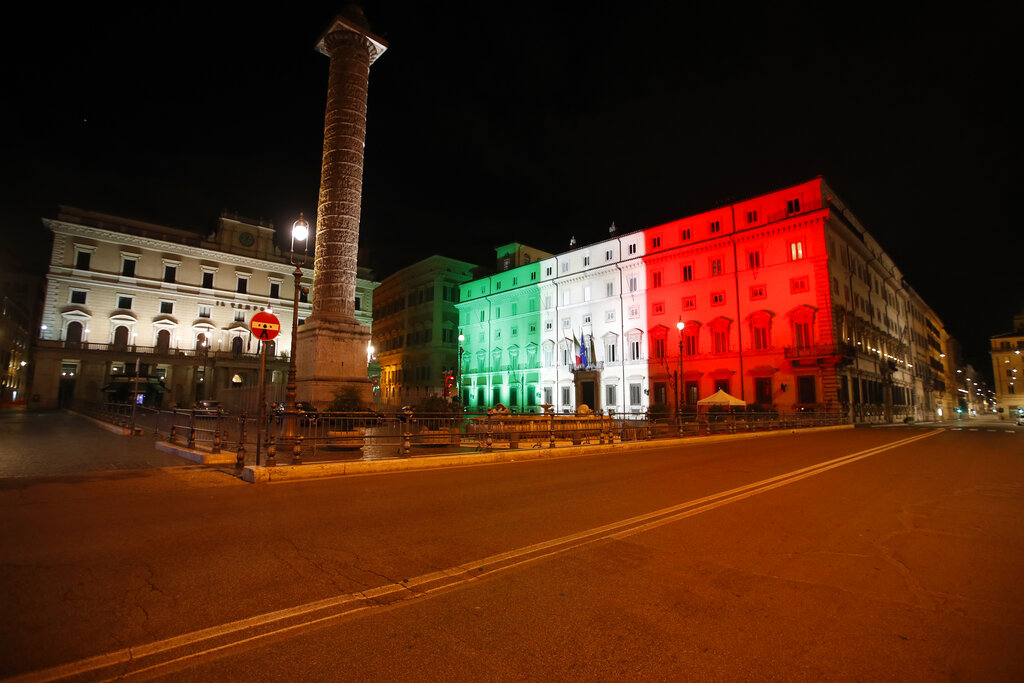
<point>212,406</point>
<point>307,411</point>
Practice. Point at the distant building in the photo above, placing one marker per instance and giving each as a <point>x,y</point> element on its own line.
<point>416,329</point>
<point>783,300</point>
<point>1008,370</point>
<point>165,306</point>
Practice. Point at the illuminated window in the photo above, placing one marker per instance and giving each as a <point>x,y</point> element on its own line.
<point>689,303</point>
<point>796,251</point>
<point>802,334</point>
<point>716,266</point>
<point>717,298</point>
<point>757,291</point>
<point>761,334</point>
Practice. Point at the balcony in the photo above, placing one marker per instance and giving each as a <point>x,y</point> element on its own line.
<point>817,351</point>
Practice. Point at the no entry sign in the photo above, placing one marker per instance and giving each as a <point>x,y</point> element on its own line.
<point>265,326</point>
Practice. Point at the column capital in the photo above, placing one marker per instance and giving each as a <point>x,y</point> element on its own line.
<point>345,29</point>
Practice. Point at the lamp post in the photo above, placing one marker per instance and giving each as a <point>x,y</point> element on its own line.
<point>300,231</point>
<point>458,378</point>
<point>682,384</point>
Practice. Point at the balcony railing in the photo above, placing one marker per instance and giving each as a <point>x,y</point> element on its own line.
<point>817,351</point>
<point>147,350</point>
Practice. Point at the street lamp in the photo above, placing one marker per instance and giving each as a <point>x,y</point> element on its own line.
<point>300,231</point>
<point>682,394</point>
<point>458,379</point>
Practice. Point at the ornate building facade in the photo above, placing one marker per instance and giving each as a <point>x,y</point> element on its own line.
<point>1007,353</point>
<point>168,307</point>
<point>783,300</point>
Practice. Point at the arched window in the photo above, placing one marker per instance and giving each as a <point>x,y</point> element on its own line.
<point>163,341</point>
<point>121,336</point>
<point>74,332</point>
<point>760,330</point>
<point>236,346</point>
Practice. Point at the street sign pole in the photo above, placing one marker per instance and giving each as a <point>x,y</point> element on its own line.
<point>264,326</point>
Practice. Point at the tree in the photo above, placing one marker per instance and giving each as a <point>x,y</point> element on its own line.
<point>347,399</point>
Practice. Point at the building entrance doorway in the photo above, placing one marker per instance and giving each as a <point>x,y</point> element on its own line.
<point>586,389</point>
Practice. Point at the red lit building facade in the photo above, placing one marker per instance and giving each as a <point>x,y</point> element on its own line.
<point>786,302</point>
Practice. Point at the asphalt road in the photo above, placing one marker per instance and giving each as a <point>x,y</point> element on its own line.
<point>743,560</point>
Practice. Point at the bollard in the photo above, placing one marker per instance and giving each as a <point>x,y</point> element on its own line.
<point>271,451</point>
<point>216,437</point>
<point>297,451</point>
<point>191,430</point>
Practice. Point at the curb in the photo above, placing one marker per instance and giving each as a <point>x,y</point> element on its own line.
<point>326,470</point>
<point>201,457</point>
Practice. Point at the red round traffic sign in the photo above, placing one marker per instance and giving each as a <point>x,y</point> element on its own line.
<point>265,326</point>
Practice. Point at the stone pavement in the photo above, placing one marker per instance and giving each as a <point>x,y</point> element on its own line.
<point>55,443</point>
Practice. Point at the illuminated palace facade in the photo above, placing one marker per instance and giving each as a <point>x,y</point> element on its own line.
<point>123,294</point>
<point>783,300</point>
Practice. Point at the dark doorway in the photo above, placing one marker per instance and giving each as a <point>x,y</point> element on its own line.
<point>588,394</point>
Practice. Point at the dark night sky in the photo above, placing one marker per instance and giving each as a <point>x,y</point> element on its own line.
<point>490,123</point>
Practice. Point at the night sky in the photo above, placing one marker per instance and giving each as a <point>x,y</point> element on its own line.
<point>498,122</point>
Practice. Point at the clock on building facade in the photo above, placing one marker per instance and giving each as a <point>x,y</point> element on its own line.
<point>246,239</point>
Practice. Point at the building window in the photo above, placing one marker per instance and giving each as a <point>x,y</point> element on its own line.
<point>721,340</point>
<point>684,234</point>
<point>610,398</point>
<point>689,303</point>
<point>166,307</point>
<point>239,316</point>
<point>796,251</point>
<point>275,290</point>
<point>687,273</point>
<point>586,293</point>
<point>586,261</point>
<point>722,385</point>
<point>754,259</point>
<point>714,227</point>
<point>128,267</point>
<point>632,284</point>
<point>717,298</point>
<point>751,216</point>
<point>656,279</point>
<point>659,347</point>
<point>802,334</point>
<point>565,267</point>
<point>548,325</point>
<point>609,255</point>
<point>609,316</point>
<point>242,285</point>
<point>634,311</point>
<point>208,280</point>
<point>497,286</point>
<point>658,309</point>
<point>482,314</point>
<point>805,389</point>
<point>799,284</point>
<point>757,291</point>
<point>609,289</point>
<point>634,394</point>
<point>78,296</point>
<point>763,390</point>
<point>82,259</point>
<point>548,271</point>
<point>170,273</point>
<point>124,302</point>
<point>566,396</point>
<point>205,311</point>
<point>690,343</point>
<point>716,266</point>
<point>586,318</point>
<point>631,248</point>
<point>565,323</point>
<point>793,206</point>
<point>760,334</point>
<point>655,242</point>
<point>634,349</point>
<point>610,348</point>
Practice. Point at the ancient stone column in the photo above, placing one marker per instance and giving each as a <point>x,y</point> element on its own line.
<point>331,345</point>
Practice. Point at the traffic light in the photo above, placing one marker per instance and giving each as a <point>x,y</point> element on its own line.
<point>448,383</point>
